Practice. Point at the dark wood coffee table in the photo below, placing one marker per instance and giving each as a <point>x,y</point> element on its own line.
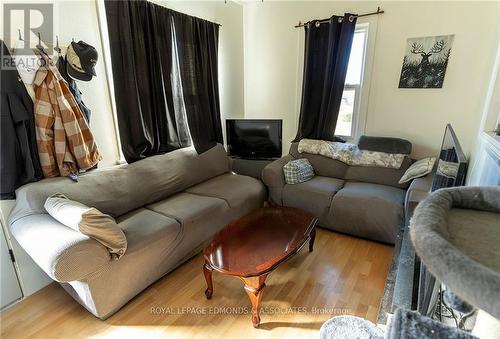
<point>253,246</point>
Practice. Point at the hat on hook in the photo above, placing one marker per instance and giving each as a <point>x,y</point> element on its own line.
<point>82,59</point>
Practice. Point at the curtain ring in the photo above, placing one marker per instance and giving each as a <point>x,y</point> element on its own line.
<point>351,18</point>
<point>317,23</point>
<point>340,19</point>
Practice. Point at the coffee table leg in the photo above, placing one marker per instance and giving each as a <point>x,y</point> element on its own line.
<point>311,239</point>
<point>254,286</point>
<point>207,271</point>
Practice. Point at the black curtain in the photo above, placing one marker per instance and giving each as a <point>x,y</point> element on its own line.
<point>152,93</point>
<point>326,57</point>
<point>197,45</point>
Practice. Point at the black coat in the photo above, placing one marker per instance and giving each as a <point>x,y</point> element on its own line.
<point>19,162</point>
<point>62,65</point>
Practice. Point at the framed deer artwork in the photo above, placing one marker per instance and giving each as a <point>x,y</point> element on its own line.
<point>425,62</point>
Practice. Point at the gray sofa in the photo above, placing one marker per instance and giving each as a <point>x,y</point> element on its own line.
<point>366,202</point>
<point>169,206</point>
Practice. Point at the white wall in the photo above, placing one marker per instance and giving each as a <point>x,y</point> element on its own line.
<point>78,20</point>
<point>484,165</point>
<point>492,109</point>
<point>273,54</point>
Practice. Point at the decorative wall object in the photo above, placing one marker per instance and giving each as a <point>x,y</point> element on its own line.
<point>425,62</point>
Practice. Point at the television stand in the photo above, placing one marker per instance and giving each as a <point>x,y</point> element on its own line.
<point>250,167</point>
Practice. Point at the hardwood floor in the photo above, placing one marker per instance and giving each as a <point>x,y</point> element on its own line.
<point>344,275</point>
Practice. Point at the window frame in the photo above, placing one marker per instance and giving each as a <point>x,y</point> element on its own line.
<point>357,125</point>
<point>355,111</point>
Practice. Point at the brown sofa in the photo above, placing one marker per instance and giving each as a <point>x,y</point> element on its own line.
<point>168,206</point>
<point>366,202</point>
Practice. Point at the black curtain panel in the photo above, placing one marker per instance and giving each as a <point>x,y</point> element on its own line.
<point>326,57</point>
<point>152,63</point>
<point>197,44</point>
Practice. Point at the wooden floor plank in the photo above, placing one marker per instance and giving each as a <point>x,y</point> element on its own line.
<point>343,275</point>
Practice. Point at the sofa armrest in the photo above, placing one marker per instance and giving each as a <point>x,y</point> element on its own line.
<point>273,177</point>
<point>63,253</point>
<point>418,190</point>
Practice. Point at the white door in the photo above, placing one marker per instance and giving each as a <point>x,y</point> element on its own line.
<point>9,284</point>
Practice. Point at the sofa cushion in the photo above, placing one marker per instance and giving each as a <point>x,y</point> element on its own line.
<point>121,189</point>
<point>236,190</point>
<point>379,175</point>
<point>384,144</point>
<point>314,196</point>
<point>143,227</point>
<point>186,207</point>
<point>200,216</point>
<point>368,210</point>
<point>323,166</point>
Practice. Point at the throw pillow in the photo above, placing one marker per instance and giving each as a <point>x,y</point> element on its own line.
<point>418,169</point>
<point>89,221</point>
<point>297,171</point>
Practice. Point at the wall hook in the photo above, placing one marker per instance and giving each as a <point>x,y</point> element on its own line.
<point>39,46</point>
<point>57,48</point>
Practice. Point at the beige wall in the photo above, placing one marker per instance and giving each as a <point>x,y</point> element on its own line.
<point>273,54</point>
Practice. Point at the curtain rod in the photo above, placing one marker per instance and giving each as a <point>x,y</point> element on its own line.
<point>300,24</point>
<point>160,5</point>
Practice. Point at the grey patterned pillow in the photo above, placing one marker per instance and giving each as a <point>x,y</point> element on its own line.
<point>297,171</point>
<point>418,169</point>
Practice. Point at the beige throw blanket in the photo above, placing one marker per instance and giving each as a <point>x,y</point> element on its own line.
<point>351,154</point>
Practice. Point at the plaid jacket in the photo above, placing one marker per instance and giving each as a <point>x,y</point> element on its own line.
<point>65,143</point>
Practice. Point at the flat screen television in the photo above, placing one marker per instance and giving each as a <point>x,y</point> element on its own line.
<point>451,165</point>
<point>254,138</point>
<point>449,170</point>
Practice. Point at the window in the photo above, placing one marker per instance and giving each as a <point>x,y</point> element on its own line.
<point>349,107</point>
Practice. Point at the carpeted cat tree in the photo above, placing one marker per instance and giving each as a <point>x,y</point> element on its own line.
<point>456,233</point>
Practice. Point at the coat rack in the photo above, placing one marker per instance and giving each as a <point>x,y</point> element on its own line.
<point>39,45</point>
